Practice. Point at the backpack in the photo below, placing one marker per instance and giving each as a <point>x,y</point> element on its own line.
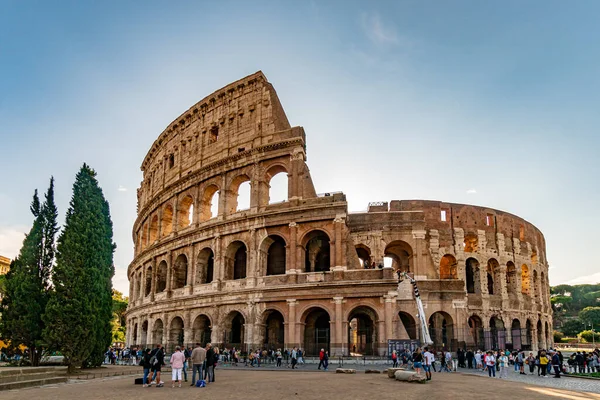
<point>153,360</point>
<point>201,383</point>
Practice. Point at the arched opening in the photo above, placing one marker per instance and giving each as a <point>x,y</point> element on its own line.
<point>176,333</point>
<point>148,283</point>
<point>233,333</point>
<point>540,335</point>
<point>528,335</point>
<point>278,184</point>
<point>448,267</point>
<point>525,281</point>
<point>317,253</point>
<point>201,330</point>
<point>144,236</point>
<point>493,277</point>
<point>316,331</point>
<point>166,224</point>
<point>364,256</point>
<point>185,212</point>
<point>138,286</point>
<point>476,330</point>
<point>135,334</point>
<point>180,271</point>
<point>515,330</point>
<point>407,326</point>
<point>154,229</point>
<point>157,332</point>
<point>497,336</point>
<point>543,290</point>
<point>144,338</point>
<point>534,258</point>
<point>274,330</point>
<point>535,286</point>
<point>470,243</point>
<point>441,330</point>
<point>275,255</point>
<point>472,276</point>
<point>547,332</point>
<point>209,206</point>
<point>362,335</point>
<point>398,255</point>
<point>239,195</point>
<point>161,277</point>
<point>206,266</point>
<point>511,278</point>
<point>235,260</point>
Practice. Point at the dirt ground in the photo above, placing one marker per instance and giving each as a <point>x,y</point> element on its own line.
<point>279,385</point>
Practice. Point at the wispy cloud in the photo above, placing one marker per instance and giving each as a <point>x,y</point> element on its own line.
<point>11,240</point>
<point>471,191</point>
<point>377,31</point>
<point>592,278</point>
<point>122,188</point>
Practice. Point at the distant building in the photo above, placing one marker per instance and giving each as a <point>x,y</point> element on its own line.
<point>4,265</point>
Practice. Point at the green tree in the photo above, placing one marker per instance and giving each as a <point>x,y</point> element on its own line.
<point>79,312</point>
<point>590,315</point>
<point>26,287</point>
<point>590,336</point>
<point>118,322</point>
<point>572,327</point>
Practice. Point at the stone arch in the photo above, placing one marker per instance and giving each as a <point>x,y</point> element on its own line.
<point>362,330</point>
<point>317,253</point>
<point>497,337</point>
<point>176,333</point>
<point>210,197</point>
<point>401,255</point>
<point>137,285</point>
<point>472,271</point>
<point>511,278</point>
<point>236,260</point>
<point>158,332</point>
<point>205,269</point>
<point>278,183</point>
<point>154,229</point>
<point>364,255</point>
<point>493,277</point>
<point>185,212</point>
<point>144,236</point>
<point>135,334</point>
<point>540,336</point>
<point>144,338</point>
<point>528,334</point>
<point>535,290</point>
<point>148,283</point>
<point>515,330</point>
<point>448,267</point>
<point>273,255</point>
<point>166,224</point>
<point>180,271</point>
<point>441,330</point>
<point>476,329</point>
<point>407,326</point>
<point>234,192</point>
<point>201,329</point>
<point>542,288</point>
<point>234,329</point>
<point>317,333</point>
<point>274,329</point>
<point>470,243</point>
<point>547,333</point>
<point>525,280</point>
<point>161,277</point>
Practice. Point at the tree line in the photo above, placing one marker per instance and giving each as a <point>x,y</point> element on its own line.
<point>57,295</point>
<point>576,310</point>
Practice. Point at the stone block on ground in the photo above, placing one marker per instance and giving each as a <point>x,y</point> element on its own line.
<point>372,371</point>
<point>416,378</point>
<point>392,371</point>
<point>345,371</point>
<point>408,376</point>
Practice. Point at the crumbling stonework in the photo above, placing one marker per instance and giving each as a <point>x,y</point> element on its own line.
<point>305,272</point>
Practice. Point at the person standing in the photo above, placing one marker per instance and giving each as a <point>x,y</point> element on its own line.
<point>478,360</point>
<point>177,360</point>
<point>210,363</point>
<point>543,363</point>
<point>145,363</point>
<point>321,357</point>
<point>279,357</point>
<point>418,360</point>
<point>503,363</point>
<point>198,357</point>
<point>490,363</point>
<point>394,359</point>
<point>428,358</point>
<point>326,360</point>
<point>556,364</point>
<point>157,361</point>
<point>294,357</point>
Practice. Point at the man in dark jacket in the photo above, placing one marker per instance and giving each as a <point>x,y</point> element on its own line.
<point>157,358</point>
<point>556,364</point>
<point>210,363</point>
<point>470,357</point>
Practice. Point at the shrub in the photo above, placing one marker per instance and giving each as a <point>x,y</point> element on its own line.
<point>590,336</point>
<point>558,337</point>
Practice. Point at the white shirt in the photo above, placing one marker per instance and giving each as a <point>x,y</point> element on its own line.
<point>429,357</point>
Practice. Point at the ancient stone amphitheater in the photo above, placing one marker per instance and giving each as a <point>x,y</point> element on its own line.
<point>305,272</point>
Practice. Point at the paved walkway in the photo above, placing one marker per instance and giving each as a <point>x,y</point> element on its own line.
<point>277,385</point>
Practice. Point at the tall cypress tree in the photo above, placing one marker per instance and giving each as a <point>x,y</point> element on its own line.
<point>27,284</point>
<point>79,312</point>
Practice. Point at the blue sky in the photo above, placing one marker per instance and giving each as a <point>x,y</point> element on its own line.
<point>488,103</point>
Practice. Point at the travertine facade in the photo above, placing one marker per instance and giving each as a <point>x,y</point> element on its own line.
<point>4,265</point>
<point>293,273</point>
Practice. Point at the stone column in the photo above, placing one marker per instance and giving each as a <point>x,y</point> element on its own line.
<point>419,261</point>
<point>169,273</point>
<point>252,269</point>
<point>153,283</point>
<point>191,270</point>
<point>175,222</point>
<point>187,328</point>
<point>291,267</point>
<point>381,343</point>
<point>291,338</point>
<point>390,302</point>
<point>338,226</point>
<point>337,345</point>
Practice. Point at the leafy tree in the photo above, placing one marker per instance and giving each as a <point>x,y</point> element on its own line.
<point>26,288</point>
<point>558,336</point>
<point>118,322</point>
<point>572,327</point>
<point>79,312</point>
<point>590,336</point>
<point>590,315</point>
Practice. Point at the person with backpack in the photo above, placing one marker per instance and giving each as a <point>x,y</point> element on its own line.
<point>157,360</point>
<point>145,364</point>
<point>198,357</point>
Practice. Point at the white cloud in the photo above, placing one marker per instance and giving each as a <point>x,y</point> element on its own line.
<point>122,188</point>
<point>471,191</point>
<point>120,281</point>
<point>11,240</point>
<point>592,278</point>
<point>378,32</point>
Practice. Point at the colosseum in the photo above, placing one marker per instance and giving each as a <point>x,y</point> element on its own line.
<point>306,272</point>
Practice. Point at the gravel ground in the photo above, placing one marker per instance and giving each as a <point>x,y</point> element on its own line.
<point>278,385</point>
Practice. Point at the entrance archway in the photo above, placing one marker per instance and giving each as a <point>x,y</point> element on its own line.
<point>234,330</point>
<point>408,330</point>
<point>201,330</point>
<point>516,334</point>
<point>274,336</point>
<point>144,338</point>
<point>441,330</point>
<point>476,329</point>
<point>497,336</point>
<point>176,333</point>
<point>316,331</point>
<point>362,334</point>
<point>158,329</point>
